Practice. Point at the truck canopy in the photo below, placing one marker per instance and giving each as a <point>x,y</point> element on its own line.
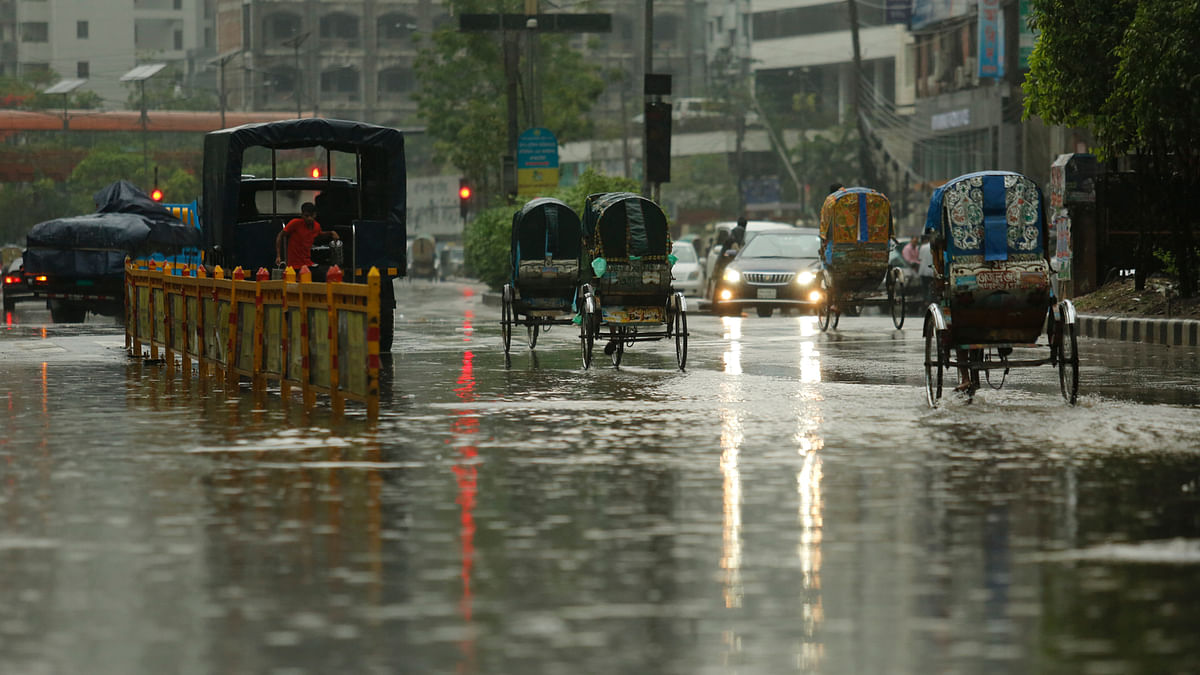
<point>381,177</point>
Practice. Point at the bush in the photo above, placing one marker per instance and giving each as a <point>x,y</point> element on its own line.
<point>488,238</point>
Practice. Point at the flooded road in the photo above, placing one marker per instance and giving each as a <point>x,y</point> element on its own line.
<point>787,504</point>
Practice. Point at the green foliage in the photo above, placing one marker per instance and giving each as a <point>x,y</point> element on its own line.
<point>27,205</point>
<point>826,158</point>
<point>25,91</point>
<point>100,168</point>
<point>462,93</point>
<point>486,245</point>
<point>487,240</point>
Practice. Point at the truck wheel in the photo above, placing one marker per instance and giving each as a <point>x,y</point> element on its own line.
<point>66,312</point>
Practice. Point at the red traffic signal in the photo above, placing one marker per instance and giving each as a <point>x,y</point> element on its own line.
<point>156,195</point>
<point>316,172</point>
<point>464,192</point>
<point>464,198</point>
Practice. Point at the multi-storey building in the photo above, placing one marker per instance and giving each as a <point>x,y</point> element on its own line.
<point>100,41</point>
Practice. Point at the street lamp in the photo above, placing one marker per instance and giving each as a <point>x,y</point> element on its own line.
<point>220,62</point>
<point>140,74</point>
<point>294,43</point>
<point>64,87</point>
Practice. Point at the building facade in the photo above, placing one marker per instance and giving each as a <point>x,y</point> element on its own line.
<point>101,41</point>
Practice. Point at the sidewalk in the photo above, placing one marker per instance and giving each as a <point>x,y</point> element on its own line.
<point>1173,332</point>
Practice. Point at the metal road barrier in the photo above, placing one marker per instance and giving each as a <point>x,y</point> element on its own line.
<point>320,337</point>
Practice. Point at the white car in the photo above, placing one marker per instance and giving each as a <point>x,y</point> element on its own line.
<point>687,274</point>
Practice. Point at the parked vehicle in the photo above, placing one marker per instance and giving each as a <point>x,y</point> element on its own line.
<point>241,215</point>
<point>423,263</point>
<point>545,262</point>
<point>77,264</point>
<point>993,285</point>
<point>687,275</point>
<point>856,231</point>
<point>780,269</point>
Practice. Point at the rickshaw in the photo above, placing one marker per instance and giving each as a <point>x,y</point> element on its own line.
<point>856,232</point>
<point>992,285</point>
<point>544,262</point>
<point>627,268</point>
<point>423,259</point>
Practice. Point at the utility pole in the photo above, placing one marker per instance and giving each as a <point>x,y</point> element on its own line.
<point>866,166</point>
<point>295,43</point>
<point>647,68</point>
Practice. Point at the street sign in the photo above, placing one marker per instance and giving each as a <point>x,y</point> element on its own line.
<point>537,162</point>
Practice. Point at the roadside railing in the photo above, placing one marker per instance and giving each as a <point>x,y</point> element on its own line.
<point>320,337</point>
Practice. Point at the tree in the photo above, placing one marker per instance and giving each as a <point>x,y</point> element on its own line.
<point>1130,70</point>
<point>25,91</point>
<point>462,99</point>
<point>826,157</point>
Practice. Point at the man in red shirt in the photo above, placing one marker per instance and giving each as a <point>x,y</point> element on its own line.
<point>301,232</point>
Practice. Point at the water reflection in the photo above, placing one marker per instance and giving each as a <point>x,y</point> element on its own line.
<point>732,402</point>
<point>465,428</point>
<point>810,516</point>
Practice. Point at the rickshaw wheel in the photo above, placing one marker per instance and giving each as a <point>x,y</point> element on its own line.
<point>586,339</point>
<point>532,330</point>
<point>681,333</point>
<point>506,317</point>
<point>934,363</point>
<point>837,315</point>
<point>1068,361</point>
<point>617,336</point>
<point>898,301</point>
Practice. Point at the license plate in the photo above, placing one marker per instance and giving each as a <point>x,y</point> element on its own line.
<point>766,294</point>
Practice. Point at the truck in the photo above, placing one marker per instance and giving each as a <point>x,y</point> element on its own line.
<point>356,178</point>
<point>77,264</point>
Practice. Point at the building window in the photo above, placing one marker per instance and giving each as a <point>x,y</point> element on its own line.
<point>395,27</point>
<point>82,70</point>
<point>281,26</point>
<point>35,31</point>
<point>395,81</point>
<point>178,4</point>
<point>81,30</point>
<point>339,26</point>
<point>178,40</point>
<point>340,81</point>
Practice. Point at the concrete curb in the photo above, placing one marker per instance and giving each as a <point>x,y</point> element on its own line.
<point>1173,332</point>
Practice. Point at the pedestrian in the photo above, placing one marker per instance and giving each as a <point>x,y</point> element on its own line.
<point>911,253</point>
<point>925,269</point>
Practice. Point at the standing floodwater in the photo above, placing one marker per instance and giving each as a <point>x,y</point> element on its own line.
<point>786,504</point>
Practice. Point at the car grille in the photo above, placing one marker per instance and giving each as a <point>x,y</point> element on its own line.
<point>769,277</point>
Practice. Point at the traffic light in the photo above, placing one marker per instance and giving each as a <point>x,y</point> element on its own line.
<point>156,194</point>
<point>658,141</point>
<point>464,197</point>
<point>315,172</point>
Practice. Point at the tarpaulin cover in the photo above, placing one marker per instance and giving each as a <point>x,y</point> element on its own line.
<point>127,222</point>
<point>382,178</point>
<point>545,228</point>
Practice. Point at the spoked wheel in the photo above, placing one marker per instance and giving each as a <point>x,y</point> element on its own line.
<point>1068,361</point>
<point>897,300</point>
<point>506,317</point>
<point>616,345</point>
<point>587,338</point>
<point>679,329</point>
<point>836,311</point>
<point>935,362</point>
<point>532,330</point>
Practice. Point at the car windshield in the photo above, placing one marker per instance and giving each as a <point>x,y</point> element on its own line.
<point>684,252</point>
<point>779,245</point>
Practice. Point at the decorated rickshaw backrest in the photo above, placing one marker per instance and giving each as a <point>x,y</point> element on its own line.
<point>991,216</point>
<point>624,226</point>
<point>856,215</point>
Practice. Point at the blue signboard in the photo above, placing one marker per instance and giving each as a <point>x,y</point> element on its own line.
<point>897,11</point>
<point>537,161</point>
<point>991,39</point>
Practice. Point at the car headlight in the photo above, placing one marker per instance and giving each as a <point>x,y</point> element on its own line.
<point>732,276</point>
<point>806,277</point>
